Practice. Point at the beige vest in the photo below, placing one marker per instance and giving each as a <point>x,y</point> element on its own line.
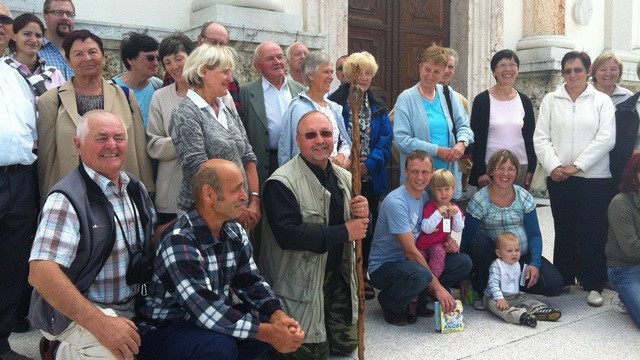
<point>297,277</point>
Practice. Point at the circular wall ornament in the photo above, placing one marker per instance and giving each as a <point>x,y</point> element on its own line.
<point>583,12</point>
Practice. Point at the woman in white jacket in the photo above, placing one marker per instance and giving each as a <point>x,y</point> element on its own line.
<point>573,137</point>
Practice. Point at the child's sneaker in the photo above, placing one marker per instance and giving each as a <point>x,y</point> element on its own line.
<point>617,305</point>
<point>478,305</point>
<point>528,319</point>
<point>547,314</point>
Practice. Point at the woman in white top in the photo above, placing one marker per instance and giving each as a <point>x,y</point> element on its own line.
<point>606,73</point>
<point>503,118</point>
<point>574,134</point>
<point>174,51</point>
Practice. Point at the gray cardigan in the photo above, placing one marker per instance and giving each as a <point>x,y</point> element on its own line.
<point>623,245</point>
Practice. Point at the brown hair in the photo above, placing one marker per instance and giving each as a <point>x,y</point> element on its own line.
<point>500,157</point>
<point>435,54</point>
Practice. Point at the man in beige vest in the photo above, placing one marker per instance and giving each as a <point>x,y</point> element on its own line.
<point>307,247</point>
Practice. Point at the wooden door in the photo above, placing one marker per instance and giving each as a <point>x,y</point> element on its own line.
<point>396,32</point>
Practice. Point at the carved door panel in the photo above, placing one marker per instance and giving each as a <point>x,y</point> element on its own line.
<point>396,32</point>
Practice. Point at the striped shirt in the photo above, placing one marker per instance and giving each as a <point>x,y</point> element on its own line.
<point>195,275</point>
<point>58,236</point>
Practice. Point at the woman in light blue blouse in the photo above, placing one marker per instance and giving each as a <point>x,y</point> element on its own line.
<point>430,117</point>
<point>503,206</point>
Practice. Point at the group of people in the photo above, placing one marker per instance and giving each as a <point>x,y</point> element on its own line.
<point>192,217</point>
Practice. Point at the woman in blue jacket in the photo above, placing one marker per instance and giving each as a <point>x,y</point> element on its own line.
<point>375,136</point>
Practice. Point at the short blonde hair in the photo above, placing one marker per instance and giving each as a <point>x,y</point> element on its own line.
<point>211,57</point>
<point>359,60</point>
<point>603,58</point>
<point>436,55</point>
<point>505,237</point>
<point>442,178</point>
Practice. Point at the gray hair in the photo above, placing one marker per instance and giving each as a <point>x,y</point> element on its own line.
<point>312,62</point>
<point>82,129</point>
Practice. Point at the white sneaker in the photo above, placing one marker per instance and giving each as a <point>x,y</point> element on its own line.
<point>617,305</point>
<point>594,299</point>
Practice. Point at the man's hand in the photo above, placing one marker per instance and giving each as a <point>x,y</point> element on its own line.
<point>118,335</point>
<point>451,246</point>
<point>282,332</point>
<point>447,302</point>
<point>533,274</point>
<point>357,228</point>
<point>502,304</point>
<point>465,285</point>
<point>359,206</point>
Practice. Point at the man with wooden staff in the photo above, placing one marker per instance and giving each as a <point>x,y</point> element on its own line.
<point>308,242</point>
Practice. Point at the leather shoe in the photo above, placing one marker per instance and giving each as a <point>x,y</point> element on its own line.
<point>391,317</point>
<point>47,348</point>
<point>21,326</point>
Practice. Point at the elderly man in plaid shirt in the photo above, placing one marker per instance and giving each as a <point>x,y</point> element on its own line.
<point>207,299</point>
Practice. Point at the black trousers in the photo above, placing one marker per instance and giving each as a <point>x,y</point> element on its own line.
<point>579,208</point>
<point>17,213</point>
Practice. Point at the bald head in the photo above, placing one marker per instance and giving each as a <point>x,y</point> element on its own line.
<point>6,30</point>
<point>212,173</point>
<point>213,33</point>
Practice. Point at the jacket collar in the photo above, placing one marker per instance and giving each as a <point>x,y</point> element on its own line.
<point>341,94</point>
<point>629,104</point>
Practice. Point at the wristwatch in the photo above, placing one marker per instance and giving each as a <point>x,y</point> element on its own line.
<point>466,144</point>
<point>253,193</point>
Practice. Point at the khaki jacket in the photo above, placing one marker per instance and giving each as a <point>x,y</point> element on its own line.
<point>56,126</point>
<point>297,277</point>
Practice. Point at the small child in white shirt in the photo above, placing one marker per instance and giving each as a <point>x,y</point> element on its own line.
<point>502,294</point>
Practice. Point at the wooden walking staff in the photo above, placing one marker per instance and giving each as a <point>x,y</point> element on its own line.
<point>355,99</point>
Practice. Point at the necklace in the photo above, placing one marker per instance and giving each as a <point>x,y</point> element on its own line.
<point>425,95</point>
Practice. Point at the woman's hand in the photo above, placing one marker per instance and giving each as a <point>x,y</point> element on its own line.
<point>527,180</point>
<point>341,161</point>
<point>558,174</point>
<point>483,181</point>
<point>250,215</point>
<point>443,153</point>
<point>363,169</point>
<point>533,274</point>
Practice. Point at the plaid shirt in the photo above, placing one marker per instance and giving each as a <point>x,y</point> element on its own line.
<point>195,274</point>
<point>58,236</point>
<point>49,52</point>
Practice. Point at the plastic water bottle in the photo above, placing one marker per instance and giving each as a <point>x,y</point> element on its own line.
<point>471,296</point>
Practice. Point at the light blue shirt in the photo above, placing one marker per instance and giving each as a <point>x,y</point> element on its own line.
<point>49,52</point>
<point>438,128</point>
<point>276,103</point>
<point>400,213</point>
<point>143,97</point>
<point>18,118</point>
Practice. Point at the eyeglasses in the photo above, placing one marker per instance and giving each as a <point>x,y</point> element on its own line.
<point>150,58</point>
<point>576,70</point>
<point>312,134</point>
<point>211,41</point>
<point>339,68</point>
<point>510,65</point>
<point>6,20</point>
<point>59,13</point>
<point>510,170</point>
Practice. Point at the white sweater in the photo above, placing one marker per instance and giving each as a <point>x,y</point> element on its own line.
<point>580,133</point>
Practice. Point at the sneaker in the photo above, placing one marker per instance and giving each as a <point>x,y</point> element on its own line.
<point>594,299</point>
<point>547,314</point>
<point>391,317</point>
<point>566,289</point>
<point>423,311</point>
<point>528,319</point>
<point>412,310</point>
<point>478,305</point>
<point>12,355</point>
<point>618,306</point>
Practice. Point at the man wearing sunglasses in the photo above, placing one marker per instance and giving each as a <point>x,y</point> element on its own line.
<point>307,246</point>
<point>59,17</point>
<point>139,53</point>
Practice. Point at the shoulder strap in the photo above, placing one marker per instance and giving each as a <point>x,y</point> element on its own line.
<point>447,97</point>
<point>125,90</point>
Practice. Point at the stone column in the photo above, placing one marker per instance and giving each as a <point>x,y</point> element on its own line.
<point>329,18</point>
<point>542,47</point>
<point>477,32</point>
<point>618,35</point>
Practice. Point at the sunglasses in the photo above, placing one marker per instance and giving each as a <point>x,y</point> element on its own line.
<point>6,20</point>
<point>312,134</point>
<point>150,58</point>
<point>576,70</point>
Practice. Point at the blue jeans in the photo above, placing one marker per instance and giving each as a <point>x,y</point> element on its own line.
<point>401,281</point>
<point>186,340</point>
<point>626,281</point>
